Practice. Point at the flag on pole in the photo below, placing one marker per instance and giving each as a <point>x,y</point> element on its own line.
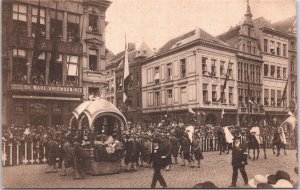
<point>284,92</point>
<point>37,40</point>
<point>126,73</point>
<point>252,103</point>
<point>191,111</point>
<point>225,83</point>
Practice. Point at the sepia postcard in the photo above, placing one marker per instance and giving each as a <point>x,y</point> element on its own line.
<point>149,94</point>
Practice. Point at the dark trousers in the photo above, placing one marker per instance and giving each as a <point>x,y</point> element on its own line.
<point>157,176</point>
<point>235,174</point>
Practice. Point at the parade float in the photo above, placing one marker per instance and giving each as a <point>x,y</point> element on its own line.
<point>99,124</point>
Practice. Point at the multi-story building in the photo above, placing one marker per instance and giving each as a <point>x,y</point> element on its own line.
<point>289,27</point>
<point>249,68</point>
<point>94,51</point>
<point>275,71</point>
<point>45,92</point>
<point>263,61</point>
<point>190,72</point>
<point>132,108</point>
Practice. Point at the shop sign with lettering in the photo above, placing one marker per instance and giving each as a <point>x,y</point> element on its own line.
<point>45,88</point>
<point>37,108</point>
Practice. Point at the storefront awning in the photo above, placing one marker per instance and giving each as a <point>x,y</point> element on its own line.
<point>45,98</point>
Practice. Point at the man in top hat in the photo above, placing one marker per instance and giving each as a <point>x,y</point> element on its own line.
<point>239,160</point>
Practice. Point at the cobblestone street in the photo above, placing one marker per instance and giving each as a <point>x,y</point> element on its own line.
<point>214,167</point>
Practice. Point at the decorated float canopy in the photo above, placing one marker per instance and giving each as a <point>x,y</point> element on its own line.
<point>291,120</point>
<point>96,108</point>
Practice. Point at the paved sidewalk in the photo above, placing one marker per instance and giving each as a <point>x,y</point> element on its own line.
<point>214,167</point>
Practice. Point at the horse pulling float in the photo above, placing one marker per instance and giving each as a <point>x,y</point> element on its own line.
<point>99,124</point>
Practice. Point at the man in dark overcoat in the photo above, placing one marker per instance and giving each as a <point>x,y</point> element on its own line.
<point>52,149</point>
<point>130,153</point>
<point>166,150</point>
<point>239,160</point>
<point>157,159</point>
<point>78,158</point>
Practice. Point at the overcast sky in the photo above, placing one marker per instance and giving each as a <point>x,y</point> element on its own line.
<point>157,21</point>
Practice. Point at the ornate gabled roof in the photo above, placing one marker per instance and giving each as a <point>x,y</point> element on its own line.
<point>231,36</point>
